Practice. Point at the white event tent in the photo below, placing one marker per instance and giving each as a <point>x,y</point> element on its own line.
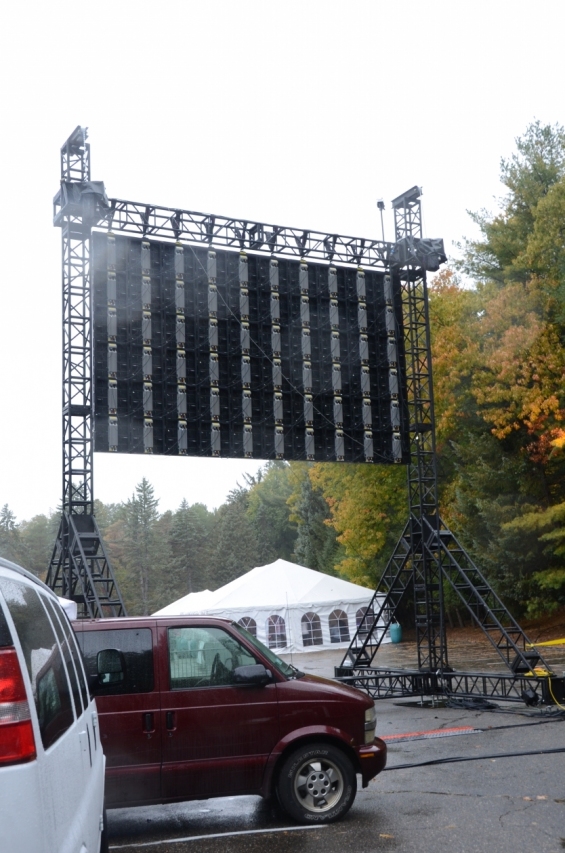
<point>288,607</point>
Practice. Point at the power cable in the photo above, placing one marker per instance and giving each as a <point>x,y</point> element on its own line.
<point>461,758</point>
<point>471,703</point>
<point>553,719</point>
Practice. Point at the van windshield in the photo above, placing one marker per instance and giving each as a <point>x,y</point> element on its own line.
<point>285,668</point>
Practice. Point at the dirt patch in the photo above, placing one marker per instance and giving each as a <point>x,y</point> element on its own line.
<point>545,627</point>
<point>538,630</point>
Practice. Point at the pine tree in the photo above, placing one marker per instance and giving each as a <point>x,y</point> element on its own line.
<point>268,511</point>
<point>189,538</point>
<point>316,543</point>
<point>236,548</point>
<point>142,552</point>
<point>536,166</point>
<point>38,538</point>
<point>11,546</point>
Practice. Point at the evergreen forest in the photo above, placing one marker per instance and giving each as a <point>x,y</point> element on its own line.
<point>497,315</point>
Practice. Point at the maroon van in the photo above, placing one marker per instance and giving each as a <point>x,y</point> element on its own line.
<point>195,707</point>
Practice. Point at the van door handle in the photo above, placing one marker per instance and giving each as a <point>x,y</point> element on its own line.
<point>170,721</point>
<point>148,726</point>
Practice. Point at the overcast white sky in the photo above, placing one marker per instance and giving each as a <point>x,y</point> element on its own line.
<point>296,113</point>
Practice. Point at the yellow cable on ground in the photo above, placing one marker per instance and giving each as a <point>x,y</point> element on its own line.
<point>562,707</point>
<point>541,672</point>
<point>547,643</point>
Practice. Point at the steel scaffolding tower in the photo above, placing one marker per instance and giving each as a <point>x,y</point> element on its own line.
<point>79,568</point>
<point>428,554</point>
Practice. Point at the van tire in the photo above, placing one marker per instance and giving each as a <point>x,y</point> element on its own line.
<point>317,784</point>
<point>104,846</point>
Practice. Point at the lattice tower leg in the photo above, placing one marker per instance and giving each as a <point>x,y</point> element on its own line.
<point>79,568</point>
<point>428,554</point>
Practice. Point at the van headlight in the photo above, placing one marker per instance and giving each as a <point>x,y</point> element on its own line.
<point>370,723</point>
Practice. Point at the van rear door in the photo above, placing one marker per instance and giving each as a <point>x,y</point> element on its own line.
<point>67,777</point>
<point>128,709</point>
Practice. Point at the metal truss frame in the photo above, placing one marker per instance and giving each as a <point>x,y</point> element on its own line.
<point>428,555</point>
<point>186,226</point>
<point>79,567</point>
<point>382,683</point>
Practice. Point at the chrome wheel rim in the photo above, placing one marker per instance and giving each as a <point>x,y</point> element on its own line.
<point>318,785</point>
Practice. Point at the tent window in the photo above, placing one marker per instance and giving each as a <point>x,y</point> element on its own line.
<point>339,627</point>
<point>249,624</point>
<point>369,621</point>
<point>311,630</point>
<point>276,632</point>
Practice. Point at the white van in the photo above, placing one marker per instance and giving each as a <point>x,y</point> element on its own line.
<point>51,761</point>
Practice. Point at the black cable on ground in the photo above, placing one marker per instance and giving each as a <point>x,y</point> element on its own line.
<point>459,758</point>
<point>471,703</point>
<point>479,703</point>
<point>548,713</point>
<point>553,719</point>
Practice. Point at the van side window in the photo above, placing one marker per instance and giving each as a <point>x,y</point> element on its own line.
<point>204,657</point>
<point>136,646</point>
<point>72,640</point>
<point>5,636</point>
<point>43,659</point>
<point>69,663</point>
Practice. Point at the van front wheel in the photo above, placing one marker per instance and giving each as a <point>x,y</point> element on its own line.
<point>317,784</point>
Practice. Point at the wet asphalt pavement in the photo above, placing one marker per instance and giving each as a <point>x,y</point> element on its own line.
<point>495,800</point>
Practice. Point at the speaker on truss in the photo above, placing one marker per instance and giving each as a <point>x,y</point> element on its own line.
<point>518,666</point>
<point>427,253</point>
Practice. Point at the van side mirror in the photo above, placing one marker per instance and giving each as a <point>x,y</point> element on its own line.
<point>254,675</point>
<point>110,666</point>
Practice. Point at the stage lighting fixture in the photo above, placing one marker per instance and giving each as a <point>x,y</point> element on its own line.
<point>427,253</point>
<point>530,697</point>
<point>518,666</point>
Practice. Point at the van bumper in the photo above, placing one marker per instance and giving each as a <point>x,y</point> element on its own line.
<point>372,759</point>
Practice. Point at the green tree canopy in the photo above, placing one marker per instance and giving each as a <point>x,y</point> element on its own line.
<point>500,365</point>
<point>11,545</point>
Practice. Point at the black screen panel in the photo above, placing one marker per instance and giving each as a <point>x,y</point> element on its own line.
<point>206,352</point>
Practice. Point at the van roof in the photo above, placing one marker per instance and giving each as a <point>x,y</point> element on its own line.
<point>112,621</point>
<point>7,564</point>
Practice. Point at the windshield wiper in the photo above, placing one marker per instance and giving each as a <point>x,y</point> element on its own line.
<point>296,672</point>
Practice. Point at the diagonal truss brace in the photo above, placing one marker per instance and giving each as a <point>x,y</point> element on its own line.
<point>428,555</point>
<point>80,570</point>
<point>457,568</point>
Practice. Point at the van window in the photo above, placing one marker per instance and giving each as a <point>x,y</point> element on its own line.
<point>286,669</point>
<point>79,666</point>
<point>43,659</point>
<point>136,645</point>
<point>69,663</point>
<point>5,636</point>
<point>204,657</point>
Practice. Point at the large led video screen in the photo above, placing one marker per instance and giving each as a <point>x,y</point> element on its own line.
<point>209,352</point>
